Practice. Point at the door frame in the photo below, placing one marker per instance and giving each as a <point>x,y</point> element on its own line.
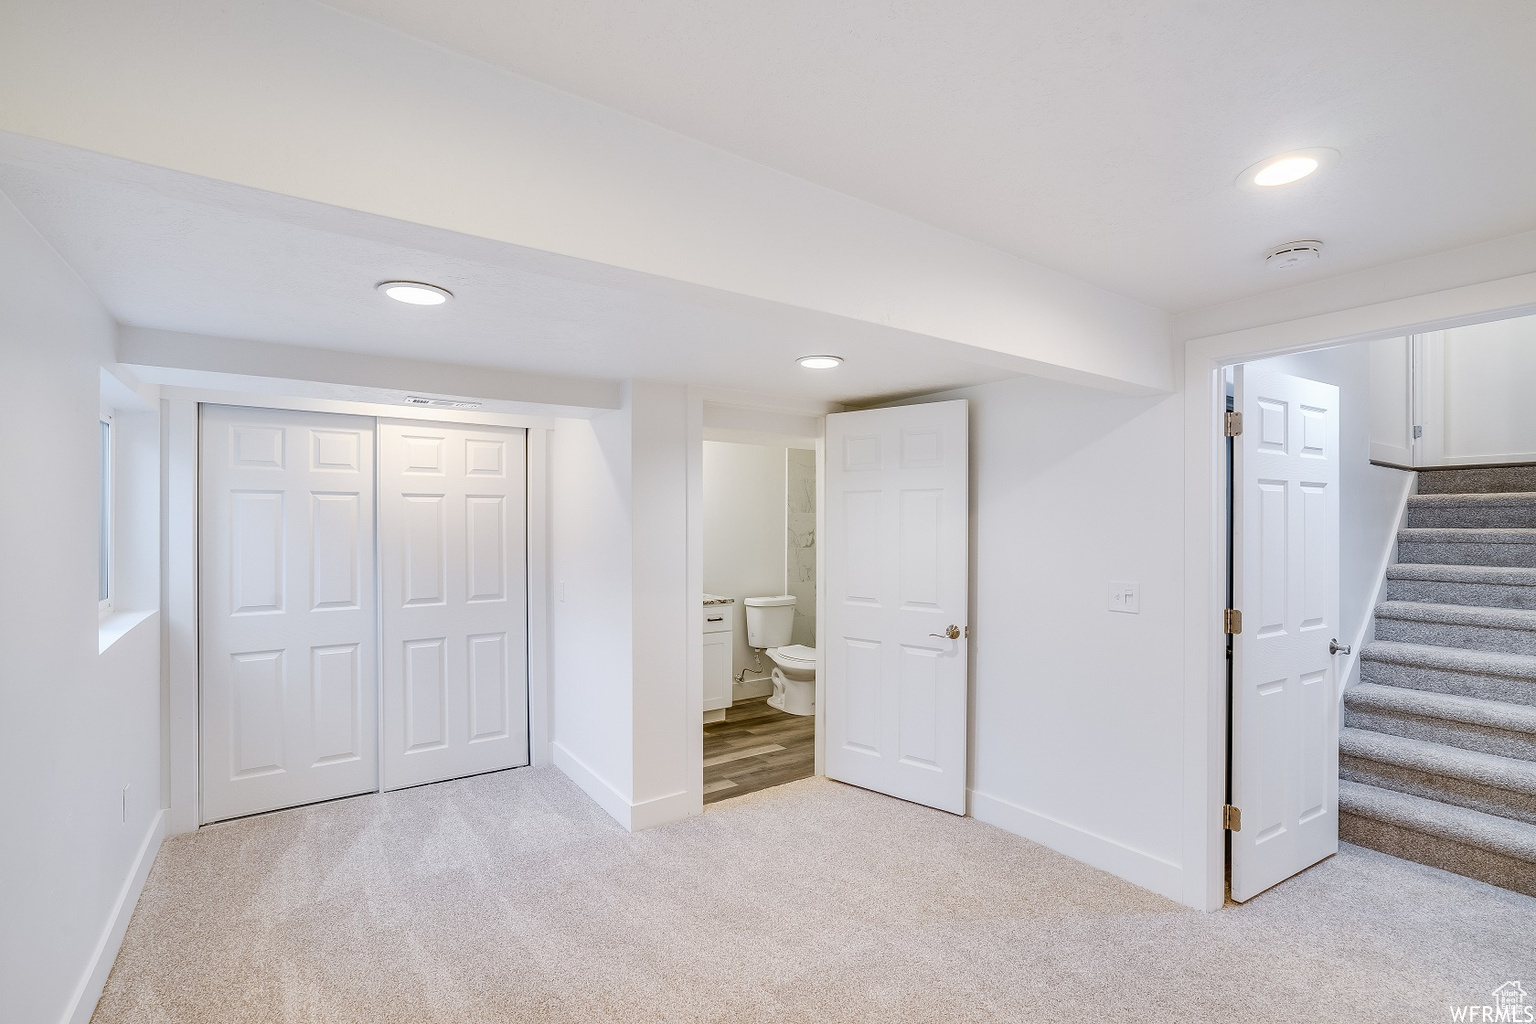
<point>744,417</point>
<point>1205,361</point>
<point>181,424</point>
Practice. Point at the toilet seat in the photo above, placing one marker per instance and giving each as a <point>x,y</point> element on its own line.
<point>795,657</point>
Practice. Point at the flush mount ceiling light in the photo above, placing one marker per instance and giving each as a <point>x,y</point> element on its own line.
<point>820,362</point>
<point>415,293</point>
<point>1285,168</point>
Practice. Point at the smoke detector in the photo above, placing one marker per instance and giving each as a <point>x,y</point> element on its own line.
<point>1291,255</point>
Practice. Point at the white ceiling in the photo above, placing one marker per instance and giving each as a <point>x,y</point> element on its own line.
<point>180,253</point>
<point>1101,138</point>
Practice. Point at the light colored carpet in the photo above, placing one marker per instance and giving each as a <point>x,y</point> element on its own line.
<point>511,897</point>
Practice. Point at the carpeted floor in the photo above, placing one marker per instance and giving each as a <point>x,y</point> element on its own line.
<point>511,897</point>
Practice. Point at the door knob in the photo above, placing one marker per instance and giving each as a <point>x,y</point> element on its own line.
<point>1334,647</point>
<point>952,633</point>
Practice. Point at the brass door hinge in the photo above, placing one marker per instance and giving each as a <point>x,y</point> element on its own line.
<point>1231,621</point>
<point>1232,424</point>
<point>1231,818</point>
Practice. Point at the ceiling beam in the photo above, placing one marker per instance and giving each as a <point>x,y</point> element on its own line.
<point>297,99</point>
<point>214,360</point>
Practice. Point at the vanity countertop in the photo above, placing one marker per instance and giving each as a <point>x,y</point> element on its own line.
<point>717,599</point>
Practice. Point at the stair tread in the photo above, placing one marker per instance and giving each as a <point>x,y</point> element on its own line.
<point>1467,535</point>
<point>1505,773</point>
<point>1432,572</point>
<point>1477,479</point>
<point>1473,499</point>
<point>1458,614</point>
<point>1485,831</point>
<point>1492,714</point>
<point>1454,659</point>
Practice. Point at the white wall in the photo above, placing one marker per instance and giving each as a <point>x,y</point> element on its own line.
<point>1076,711</point>
<point>744,509</point>
<point>591,621</point>
<point>76,724</point>
<point>1371,497</point>
<point>1488,376</point>
<point>626,713</point>
<point>669,708</point>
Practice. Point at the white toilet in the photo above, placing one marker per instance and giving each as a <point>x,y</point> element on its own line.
<point>770,621</point>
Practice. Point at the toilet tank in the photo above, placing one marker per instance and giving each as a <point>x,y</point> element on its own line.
<point>770,620</point>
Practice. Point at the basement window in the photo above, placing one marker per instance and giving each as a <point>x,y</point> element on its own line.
<point>104,580</point>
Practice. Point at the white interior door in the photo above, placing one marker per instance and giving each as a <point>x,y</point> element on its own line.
<point>1285,697</point>
<point>896,536</point>
<point>1392,401</point>
<point>289,686</point>
<point>453,565</point>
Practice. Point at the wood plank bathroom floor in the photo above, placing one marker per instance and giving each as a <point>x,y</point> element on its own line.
<point>756,747</point>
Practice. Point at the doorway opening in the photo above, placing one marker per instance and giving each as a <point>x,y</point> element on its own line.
<point>1369,621</point>
<point>759,631</point>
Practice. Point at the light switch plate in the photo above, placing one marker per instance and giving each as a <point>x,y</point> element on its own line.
<point>1125,596</point>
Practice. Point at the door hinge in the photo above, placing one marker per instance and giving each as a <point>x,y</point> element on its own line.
<point>1232,424</point>
<point>1231,818</point>
<point>1418,432</point>
<point>1231,621</point>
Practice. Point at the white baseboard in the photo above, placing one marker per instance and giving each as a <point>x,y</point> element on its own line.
<point>1135,866</point>
<point>592,784</point>
<point>89,990</point>
<point>633,816</point>
<point>663,810</point>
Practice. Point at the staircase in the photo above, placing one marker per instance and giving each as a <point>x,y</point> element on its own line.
<point>1437,754</point>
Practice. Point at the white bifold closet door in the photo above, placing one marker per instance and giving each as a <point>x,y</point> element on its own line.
<point>453,571</point>
<point>287,645</point>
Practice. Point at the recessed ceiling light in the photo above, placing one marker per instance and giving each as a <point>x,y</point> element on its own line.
<point>820,362</point>
<point>415,293</point>
<point>1285,168</point>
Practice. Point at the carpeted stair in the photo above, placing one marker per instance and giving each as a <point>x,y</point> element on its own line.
<point>1437,756</point>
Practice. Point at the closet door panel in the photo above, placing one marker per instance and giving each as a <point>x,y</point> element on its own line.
<point>453,563</point>
<point>288,679</point>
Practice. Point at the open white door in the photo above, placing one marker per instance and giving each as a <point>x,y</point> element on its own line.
<point>1285,698</point>
<point>453,568</point>
<point>896,550</point>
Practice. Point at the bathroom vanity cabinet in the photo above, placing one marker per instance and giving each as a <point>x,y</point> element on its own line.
<point>719,643</point>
